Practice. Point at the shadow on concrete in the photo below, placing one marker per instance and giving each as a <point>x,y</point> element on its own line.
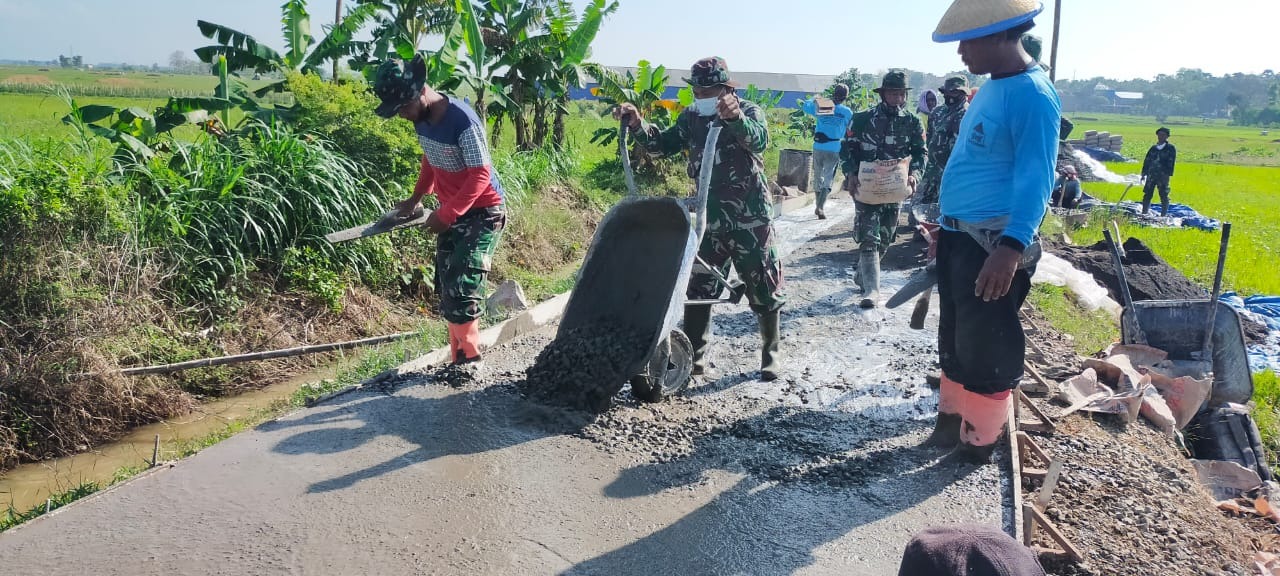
<point>799,493</point>
<point>471,422</point>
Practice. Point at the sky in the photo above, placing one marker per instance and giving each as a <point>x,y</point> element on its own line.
<point>1119,39</point>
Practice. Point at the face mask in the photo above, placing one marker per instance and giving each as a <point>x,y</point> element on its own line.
<point>705,106</point>
<point>953,100</point>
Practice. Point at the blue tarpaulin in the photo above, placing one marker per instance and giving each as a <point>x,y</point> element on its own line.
<point>1265,310</point>
<point>1181,214</point>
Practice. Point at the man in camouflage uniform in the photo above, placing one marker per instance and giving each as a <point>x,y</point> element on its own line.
<point>887,132</point>
<point>739,210</point>
<point>456,169</point>
<point>940,135</point>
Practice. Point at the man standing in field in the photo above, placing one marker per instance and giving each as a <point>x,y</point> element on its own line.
<point>941,134</point>
<point>827,135</point>
<point>994,194</point>
<point>456,168</point>
<point>1157,169</point>
<point>739,210</point>
<point>886,133</point>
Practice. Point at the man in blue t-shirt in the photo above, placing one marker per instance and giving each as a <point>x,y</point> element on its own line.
<point>995,190</point>
<point>826,142</point>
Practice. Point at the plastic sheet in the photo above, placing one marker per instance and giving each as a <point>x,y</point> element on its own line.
<point>1264,310</point>
<point>1058,272</point>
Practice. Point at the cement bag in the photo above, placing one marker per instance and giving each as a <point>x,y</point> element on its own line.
<point>883,181</point>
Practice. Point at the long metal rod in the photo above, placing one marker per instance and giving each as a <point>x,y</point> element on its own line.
<point>1124,287</point>
<point>337,20</point>
<point>267,355</point>
<point>1053,50</point>
<point>1207,354</point>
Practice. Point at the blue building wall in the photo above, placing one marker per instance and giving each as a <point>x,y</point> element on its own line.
<point>672,92</point>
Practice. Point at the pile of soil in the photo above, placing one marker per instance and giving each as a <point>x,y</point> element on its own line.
<point>584,367</point>
<point>1149,277</point>
<point>1127,496</point>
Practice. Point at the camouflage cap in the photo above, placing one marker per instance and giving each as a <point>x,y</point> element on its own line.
<point>895,80</point>
<point>397,82</point>
<point>955,83</point>
<point>710,72</point>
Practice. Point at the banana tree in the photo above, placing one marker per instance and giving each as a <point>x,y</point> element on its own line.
<point>572,47</point>
<point>401,26</point>
<point>302,52</point>
<point>642,88</point>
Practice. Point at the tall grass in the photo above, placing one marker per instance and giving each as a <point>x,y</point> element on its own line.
<point>219,209</point>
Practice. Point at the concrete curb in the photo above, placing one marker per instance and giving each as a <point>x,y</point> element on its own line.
<point>528,321</point>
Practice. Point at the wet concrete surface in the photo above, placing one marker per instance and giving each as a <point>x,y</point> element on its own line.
<point>820,472</point>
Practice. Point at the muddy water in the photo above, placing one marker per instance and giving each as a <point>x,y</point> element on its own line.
<point>29,485</point>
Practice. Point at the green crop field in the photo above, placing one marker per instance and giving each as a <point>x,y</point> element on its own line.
<point>34,115</point>
<point>1197,141</point>
<point>1246,196</point>
<point>122,82</point>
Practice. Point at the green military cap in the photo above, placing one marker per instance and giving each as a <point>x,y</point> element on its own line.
<point>397,82</point>
<point>956,83</point>
<point>710,72</point>
<point>895,80</point>
<point>1033,45</point>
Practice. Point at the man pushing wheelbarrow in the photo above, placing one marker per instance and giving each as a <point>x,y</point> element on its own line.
<point>739,211</point>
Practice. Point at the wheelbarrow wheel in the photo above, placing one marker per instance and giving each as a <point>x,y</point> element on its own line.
<point>668,371</point>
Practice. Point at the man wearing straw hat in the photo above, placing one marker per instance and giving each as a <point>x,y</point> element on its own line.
<point>888,133</point>
<point>739,209</point>
<point>994,192</point>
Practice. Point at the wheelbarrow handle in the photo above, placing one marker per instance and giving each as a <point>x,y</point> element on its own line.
<point>704,176</point>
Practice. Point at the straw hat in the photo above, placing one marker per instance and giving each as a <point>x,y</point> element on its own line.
<point>969,19</point>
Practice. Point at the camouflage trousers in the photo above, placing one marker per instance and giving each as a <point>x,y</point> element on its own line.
<point>930,185</point>
<point>464,255</point>
<point>874,226</point>
<point>753,255</point>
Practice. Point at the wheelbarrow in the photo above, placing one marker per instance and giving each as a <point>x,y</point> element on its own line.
<point>635,274</point>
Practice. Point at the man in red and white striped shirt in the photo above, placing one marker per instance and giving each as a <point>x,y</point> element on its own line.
<point>457,169</point>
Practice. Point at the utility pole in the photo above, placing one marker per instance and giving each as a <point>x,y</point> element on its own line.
<point>1053,51</point>
<point>337,19</point>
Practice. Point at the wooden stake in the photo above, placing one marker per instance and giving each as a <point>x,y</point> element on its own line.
<point>155,452</point>
<point>1050,484</point>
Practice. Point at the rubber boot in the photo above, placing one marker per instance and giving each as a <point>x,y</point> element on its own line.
<point>869,271</point>
<point>821,203</point>
<point>1164,208</point>
<point>1146,206</point>
<point>467,338</point>
<point>946,430</point>
<point>697,326</point>
<point>770,362</point>
<point>985,419</point>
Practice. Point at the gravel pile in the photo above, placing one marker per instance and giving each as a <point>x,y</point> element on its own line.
<point>583,368</point>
